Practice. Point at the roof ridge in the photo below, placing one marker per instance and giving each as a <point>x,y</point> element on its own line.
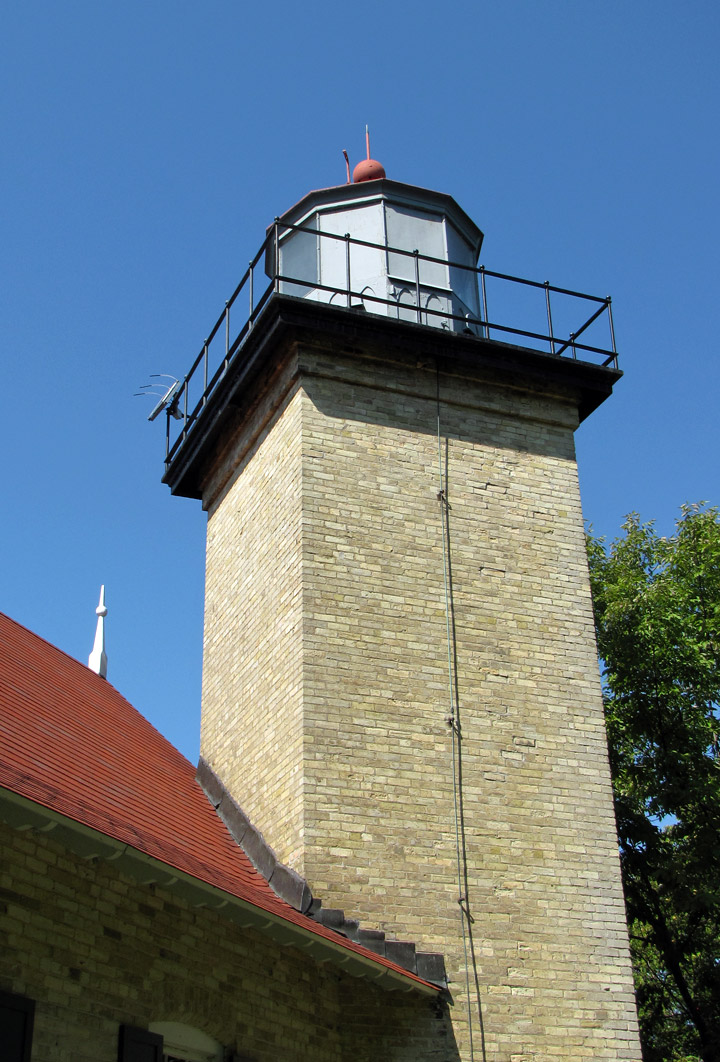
<point>289,886</point>
<point>50,645</point>
<point>102,686</point>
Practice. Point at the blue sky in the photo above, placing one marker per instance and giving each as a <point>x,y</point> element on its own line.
<point>146,147</point>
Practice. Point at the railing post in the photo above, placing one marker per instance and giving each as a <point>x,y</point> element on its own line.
<point>572,344</point>
<point>347,267</point>
<point>417,285</point>
<point>167,432</point>
<point>276,238</point>
<point>185,405</point>
<point>205,371</point>
<point>250,283</point>
<point>608,303</point>
<point>549,317</point>
<point>227,328</point>
<point>483,296</point>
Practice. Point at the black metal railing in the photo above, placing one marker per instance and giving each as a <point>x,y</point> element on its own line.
<point>219,351</point>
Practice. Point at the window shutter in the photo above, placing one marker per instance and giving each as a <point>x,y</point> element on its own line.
<point>16,1027</point>
<point>139,1045</point>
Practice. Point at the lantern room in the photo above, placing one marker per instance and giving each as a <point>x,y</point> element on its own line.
<point>384,247</point>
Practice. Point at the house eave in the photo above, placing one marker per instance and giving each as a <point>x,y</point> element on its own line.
<point>24,814</point>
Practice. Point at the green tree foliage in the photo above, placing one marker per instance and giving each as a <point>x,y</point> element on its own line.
<point>657,615</point>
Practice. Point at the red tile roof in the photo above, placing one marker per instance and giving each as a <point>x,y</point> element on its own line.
<point>71,743</point>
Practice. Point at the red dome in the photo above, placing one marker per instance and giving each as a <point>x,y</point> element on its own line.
<point>368,170</point>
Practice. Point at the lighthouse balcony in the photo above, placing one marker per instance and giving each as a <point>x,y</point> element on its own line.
<point>305,265</point>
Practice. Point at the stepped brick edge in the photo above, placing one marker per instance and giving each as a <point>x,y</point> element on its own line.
<point>294,890</point>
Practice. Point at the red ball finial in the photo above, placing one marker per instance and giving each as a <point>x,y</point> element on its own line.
<point>369,169</point>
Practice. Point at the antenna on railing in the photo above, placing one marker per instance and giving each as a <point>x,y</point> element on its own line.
<point>167,395</point>
<point>347,166</point>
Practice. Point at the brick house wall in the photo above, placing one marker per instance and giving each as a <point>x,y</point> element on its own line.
<point>95,949</point>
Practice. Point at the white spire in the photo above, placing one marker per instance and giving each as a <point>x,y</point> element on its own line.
<point>97,661</point>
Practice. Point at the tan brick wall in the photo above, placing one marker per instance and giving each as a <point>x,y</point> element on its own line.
<point>95,949</point>
<point>369,689</point>
<point>251,732</point>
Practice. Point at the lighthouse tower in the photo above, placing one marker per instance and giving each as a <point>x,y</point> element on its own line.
<point>400,681</point>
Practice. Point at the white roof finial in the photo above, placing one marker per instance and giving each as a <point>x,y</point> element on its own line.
<point>97,661</point>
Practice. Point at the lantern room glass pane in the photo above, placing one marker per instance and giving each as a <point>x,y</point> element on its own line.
<point>411,230</point>
<point>464,282</point>
<point>299,260</point>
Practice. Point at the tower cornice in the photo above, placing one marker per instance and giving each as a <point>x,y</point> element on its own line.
<point>287,323</point>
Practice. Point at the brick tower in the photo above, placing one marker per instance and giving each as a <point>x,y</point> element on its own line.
<point>400,678</point>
